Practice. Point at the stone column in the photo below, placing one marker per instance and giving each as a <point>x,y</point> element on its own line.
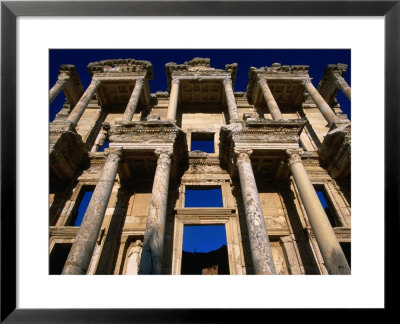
<point>322,105</point>
<point>80,107</point>
<point>155,227</point>
<point>270,100</point>
<point>173,100</point>
<point>134,99</point>
<point>261,252</point>
<point>343,85</point>
<point>81,251</point>
<point>334,258</point>
<point>101,137</point>
<point>230,99</point>
<point>59,85</point>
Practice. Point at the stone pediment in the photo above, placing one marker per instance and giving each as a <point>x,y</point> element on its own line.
<point>122,66</point>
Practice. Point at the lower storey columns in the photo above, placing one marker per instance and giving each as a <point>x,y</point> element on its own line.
<point>155,228</point>
<point>322,105</point>
<point>230,99</point>
<point>133,101</point>
<point>270,100</point>
<point>80,107</point>
<point>334,258</point>
<point>173,100</point>
<point>81,251</point>
<point>261,252</point>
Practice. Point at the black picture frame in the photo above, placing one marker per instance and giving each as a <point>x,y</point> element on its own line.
<point>10,10</point>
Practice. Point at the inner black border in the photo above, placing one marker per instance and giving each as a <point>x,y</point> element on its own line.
<point>10,10</point>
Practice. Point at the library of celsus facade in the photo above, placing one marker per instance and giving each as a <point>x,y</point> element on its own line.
<point>278,151</point>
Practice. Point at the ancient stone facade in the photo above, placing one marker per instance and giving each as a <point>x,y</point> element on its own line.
<point>277,149</point>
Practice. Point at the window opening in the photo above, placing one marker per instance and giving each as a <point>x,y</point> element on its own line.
<point>203,196</point>
<point>326,204</point>
<point>82,204</point>
<point>204,250</point>
<point>203,142</point>
<point>58,257</point>
<point>105,145</point>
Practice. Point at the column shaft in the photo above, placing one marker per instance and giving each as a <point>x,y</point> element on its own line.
<point>322,105</point>
<point>173,100</point>
<point>270,100</point>
<point>155,227</point>
<point>80,107</point>
<point>55,90</point>
<point>133,101</point>
<point>332,253</point>
<point>261,252</point>
<point>81,252</point>
<point>230,99</point>
<point>343,85</point>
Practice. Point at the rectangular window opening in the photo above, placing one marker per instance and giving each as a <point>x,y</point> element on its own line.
<point>327,205</point>
<point>204,250</point>
<point>203,196</point>
<point>81,205</point>
<point>105,145</point>
<point>203,142</point>
<point>58,257</point>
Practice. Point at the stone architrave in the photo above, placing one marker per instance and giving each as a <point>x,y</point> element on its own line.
<point>134,99</point>
<point>230,99</point>
<point>80,107</point>
<point>62,81</point>
<point>270,100</point>
<point>261,252</point>
<point>155,227</point>
<point>343,85</point>
<point>332,253</point>
<point>322,105</point>
<point>81,251</point>
<point>173,100</point>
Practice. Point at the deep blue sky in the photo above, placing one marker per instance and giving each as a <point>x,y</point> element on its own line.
<point>196,238</point>
<point>316,59</point>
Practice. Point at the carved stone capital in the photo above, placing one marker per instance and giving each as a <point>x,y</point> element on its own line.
<point>139,81</point>
<point>115,154</point>
<point>294,156</point>
<point>164,155</point>
<point>242,155</point>
<point>261,81</point>
<point>306,81</point>
<point>227,81</point>
<point>175,81</point>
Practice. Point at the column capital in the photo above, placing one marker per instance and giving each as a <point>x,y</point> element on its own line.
<point>175,81</point>
<point>164,155</point>
<point>116,153</point>
<point>95,82</point>
<point>261,81</point>
<point>306,81</point>
<point>139,80</point>
<point>294,155</point>
<point>227,81</point>
<point>242,154</point>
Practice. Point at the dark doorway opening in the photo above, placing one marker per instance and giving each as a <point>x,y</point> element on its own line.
<point>204,250</point>
<point>58,256</point>
<point>203,196</point>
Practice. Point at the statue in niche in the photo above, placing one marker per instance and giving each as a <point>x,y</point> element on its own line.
<point>133,258</point>
<point>279,261</point>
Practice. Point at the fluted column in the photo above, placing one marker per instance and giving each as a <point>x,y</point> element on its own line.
<point>155,227</point>
<point>322,105</point>
<point>230,99</point>
<point>58,86</point>
<point>343,85</point>
<point>173,100</point>
<point>82,249</point>
<point>270,100</point>
<point>261,252</point>
<point>134,99</point>
<point>332,253</point>
<point>80,107</point>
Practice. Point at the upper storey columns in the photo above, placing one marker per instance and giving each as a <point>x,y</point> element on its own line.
<point>322,105</point>
<point>332,253</point>
<point>80,107</point>
<point>342,85</point>
<point>58,86</point>
<point>134,100</point>
<point>230,99</point>
<point>270,100</point>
